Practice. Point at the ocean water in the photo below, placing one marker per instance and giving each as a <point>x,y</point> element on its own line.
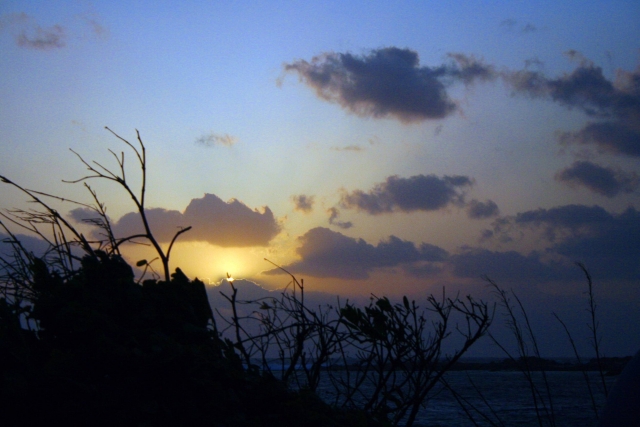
<point>504,398</point>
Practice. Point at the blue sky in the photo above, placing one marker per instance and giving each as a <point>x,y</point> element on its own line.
<point>369,147</point>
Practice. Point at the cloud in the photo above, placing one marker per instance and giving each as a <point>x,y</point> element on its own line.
<point>511,24</point>
<point>353,148</point>
<point>334,213</point>
<point>227,224</point>
<point>211,139</point>
<point>326,253</point>
<point>508,24</point>
<point>480,210</point>
<point>506,266</point>
<point>417,193</point>
<point>614,137</point>
<point>388,82</point>
<point>608,243</point>
<point>605,181</point>
<point>303,203</point>
<point>83,214</point>
<point>97,29</point>
<point>468,69</point>
<point>29,34</point>
<point>615,104</point>
<point>31,244</point>
<point>42,38</point>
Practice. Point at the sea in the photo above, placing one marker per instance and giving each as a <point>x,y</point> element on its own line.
<point>504,398</point>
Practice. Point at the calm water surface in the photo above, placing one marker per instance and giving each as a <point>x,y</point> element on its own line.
<point>509,396</point>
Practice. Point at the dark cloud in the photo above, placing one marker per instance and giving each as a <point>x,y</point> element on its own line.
<point>83,215</point>
<point>614,137</point>
<point>388,82</point>
<point>303,203</point>
<point>571,217</point>
<point>616,104</point>
<point>333,219</point>
<point>164,225</point>
<point>506,266</point>
<point>601,180</point>
<point>585,88</point>
<point>417,193</point>
<point>212,139</point>
<point>31,244</point>
<point>42,38</point>
<point>229,224</point>
<point>326,253</point>
<point>608,243</point>
<point>480,210</point>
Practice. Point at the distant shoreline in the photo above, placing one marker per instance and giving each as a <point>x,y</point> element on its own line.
<point>609,365</point>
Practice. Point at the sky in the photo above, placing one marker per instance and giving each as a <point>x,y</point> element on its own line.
<point>367,147</point>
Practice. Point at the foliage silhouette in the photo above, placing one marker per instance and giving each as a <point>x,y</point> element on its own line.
<point>85,343</point>
<point>529,362</point>
<point>385,359</point>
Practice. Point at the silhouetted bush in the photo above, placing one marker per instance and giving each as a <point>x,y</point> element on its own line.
<point>82,342</point>
<point>108,351</point>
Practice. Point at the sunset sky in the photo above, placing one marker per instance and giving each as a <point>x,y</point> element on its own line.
<point>368,147</point>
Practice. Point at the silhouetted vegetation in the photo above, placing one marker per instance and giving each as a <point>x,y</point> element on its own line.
<point>384,359</point>
<point>105,350</point>
<point>83,342</point>
<point>86,342</point>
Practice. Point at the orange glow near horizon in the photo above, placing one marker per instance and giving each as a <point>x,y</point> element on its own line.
<point>207,262</point>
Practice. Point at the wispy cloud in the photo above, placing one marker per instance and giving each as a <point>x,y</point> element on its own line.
<point>512,25</point>
<point>98,30</point>
<point>303,203</point>
<point>417,193</point>
<point>212,139</point>
<point>389,82</point>
<point>334,213</point>
<point>353,148</point>
<point>42,38</point>
<point>31,35</point>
